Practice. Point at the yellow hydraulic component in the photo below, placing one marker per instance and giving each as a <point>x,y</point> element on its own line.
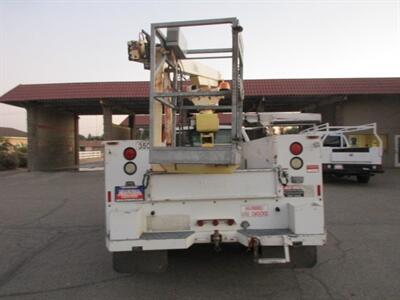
<point>207,122</point>
<point>207,140</point>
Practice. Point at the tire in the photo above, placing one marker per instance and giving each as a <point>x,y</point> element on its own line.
<point>300,257</point>
<point>326,177</point>
<point>364,178</point>
<point>129,262</point>
<point>303,256</point>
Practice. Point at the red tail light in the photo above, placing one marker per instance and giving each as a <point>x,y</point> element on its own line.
<point>230,222</point>
<point>200,222</point>
<point>296,148</point>
<point>130,153</point>
<point>318,190</point>
<point>215,222</point>
<point>108,196</point>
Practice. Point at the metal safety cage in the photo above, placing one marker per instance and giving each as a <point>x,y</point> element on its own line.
<point>218,154</point>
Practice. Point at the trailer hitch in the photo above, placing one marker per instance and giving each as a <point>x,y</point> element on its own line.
<point>254,245</point>
<point>216,239</point>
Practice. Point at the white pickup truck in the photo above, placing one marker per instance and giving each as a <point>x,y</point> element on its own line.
<point>342,155</point>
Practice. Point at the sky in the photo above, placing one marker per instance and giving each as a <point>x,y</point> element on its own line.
<point>85,41</point>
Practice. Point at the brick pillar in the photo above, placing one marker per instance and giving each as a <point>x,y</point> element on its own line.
<point>76,125</point>
<point>51,139</point>
<point>31,113</point>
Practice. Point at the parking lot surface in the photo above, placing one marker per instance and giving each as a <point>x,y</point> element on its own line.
<point>52,247</point>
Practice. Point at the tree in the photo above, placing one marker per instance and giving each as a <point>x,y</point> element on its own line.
<point>8,155</point>
<point>5,145</point>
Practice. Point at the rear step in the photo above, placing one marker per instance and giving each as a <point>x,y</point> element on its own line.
<point>254,236</point>
<point>279,260</point>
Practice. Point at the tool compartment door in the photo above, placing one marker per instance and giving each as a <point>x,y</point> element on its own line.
<point>241,184</point>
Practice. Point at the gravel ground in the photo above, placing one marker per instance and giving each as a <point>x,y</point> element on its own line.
<point>52,247</point>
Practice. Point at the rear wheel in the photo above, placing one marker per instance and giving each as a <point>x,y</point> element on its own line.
<point>129,262</point>
<point>364,178</point>
<point>303,256</point>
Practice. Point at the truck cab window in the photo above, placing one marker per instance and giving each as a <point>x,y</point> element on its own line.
<point>332,141</point>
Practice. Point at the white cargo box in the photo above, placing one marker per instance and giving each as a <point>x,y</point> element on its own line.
<point>306,218</point>
<point>126,224</point>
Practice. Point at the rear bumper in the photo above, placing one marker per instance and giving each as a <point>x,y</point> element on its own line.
<point>185,239</point>
<point>352,169</point>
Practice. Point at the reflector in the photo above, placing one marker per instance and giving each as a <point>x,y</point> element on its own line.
<point>200,222</point>
<point>230,222</point>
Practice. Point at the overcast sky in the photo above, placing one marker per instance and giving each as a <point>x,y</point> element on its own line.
<point>85,41</point>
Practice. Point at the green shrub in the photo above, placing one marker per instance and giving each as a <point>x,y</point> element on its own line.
<point>22,159</point>
<point>5,145</point>
<point>8,160</point>
<point>22,153</point>
<point>22,149</point>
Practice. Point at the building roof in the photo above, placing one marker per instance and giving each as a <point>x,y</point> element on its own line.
<point>11,132</point>
<point>322,86</point>
<point>62,91</point>
<point>253,87</point>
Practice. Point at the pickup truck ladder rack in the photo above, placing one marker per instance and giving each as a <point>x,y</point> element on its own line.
<point>325,130</point>
<point>332,130</point>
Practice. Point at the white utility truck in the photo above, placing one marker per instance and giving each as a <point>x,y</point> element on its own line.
<point>287,122</point>
<point>164,194</point>
<point>346,152</point>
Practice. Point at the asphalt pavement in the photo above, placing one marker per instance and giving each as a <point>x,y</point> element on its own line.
<point>52,247</point>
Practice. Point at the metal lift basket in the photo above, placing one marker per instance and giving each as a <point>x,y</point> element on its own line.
<point>227,154</point>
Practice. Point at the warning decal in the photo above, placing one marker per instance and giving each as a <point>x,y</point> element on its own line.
<point>254,210</point>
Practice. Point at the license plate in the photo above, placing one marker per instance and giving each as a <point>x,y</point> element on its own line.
<point>338,167</point>
<point>293,191</point>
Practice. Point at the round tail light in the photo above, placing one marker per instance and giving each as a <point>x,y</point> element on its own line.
<point>200,222</point>
<point>215,222</point>
<point>296,163</point>
<point>130,168</point>
<point>296,148</point>
<point>130,153</point>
